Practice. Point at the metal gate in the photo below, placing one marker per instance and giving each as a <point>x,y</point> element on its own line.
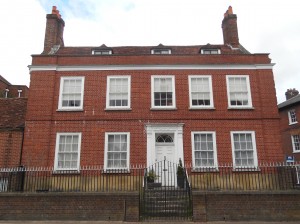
<point>166,195</point>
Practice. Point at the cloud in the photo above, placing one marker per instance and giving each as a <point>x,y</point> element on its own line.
<point>267,26</point>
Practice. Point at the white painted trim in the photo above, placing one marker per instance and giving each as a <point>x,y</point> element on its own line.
<point>147,67</point>
<point>62,79</point>
<point>248,89</point>
<point>106,149</point>
<point>172,77</point>
<point>293,144</point>
<point>153,128</point>
<point>58,135</point>
<point>255,161</point>
<point>128,77</point>
<point>290,116</point>
<point>214,147</point>
<point>210,92</point>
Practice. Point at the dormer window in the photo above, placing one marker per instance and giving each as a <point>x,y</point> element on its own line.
<point>102,52</point>
<point>161,51</point>
<point>210,51</point>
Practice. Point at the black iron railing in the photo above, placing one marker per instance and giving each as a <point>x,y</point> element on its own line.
<point>97,179</point>
<point>87,179</point>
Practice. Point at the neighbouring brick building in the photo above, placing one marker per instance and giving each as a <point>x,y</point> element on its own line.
<point>115,106</point>
<point>289,111</point>
<point>13,102</point>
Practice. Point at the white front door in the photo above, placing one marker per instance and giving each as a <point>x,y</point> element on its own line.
<point>165,150</point>
<point>164,141</point>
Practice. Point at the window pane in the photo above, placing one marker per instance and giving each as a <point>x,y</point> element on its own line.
<point>200,92</point>
<point>118,92</point>
<point>243,149</point>
<point>117,151</point>
<point>204,150</point>
<point>238,91</point>
<point>67,154</point>
<point>71,92</point>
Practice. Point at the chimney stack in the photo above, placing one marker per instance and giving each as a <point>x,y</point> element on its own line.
<point>230,30</point>
<point>290,93</point>
<point>54,31</point>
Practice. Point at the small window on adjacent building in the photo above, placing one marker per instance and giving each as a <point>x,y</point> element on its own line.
<point>71,93</point>
<point>102,52</point>
<point>238,91</point>
<point>296,143</point>
<point>161,51</point>
<point>244,149</point>
<point>67,151</point>
<point>204,149</point>
<point>116,150</point>
<point>292,117</point>
<point>163,92</point>
<point>118,92</point>
<point>210,51</point>
<point>200,92</point>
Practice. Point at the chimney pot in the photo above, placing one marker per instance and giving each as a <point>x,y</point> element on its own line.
<point>290,93</point>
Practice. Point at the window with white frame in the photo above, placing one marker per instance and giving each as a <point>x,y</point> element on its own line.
<point>118,92</point>
<point>238,91</point>
<point>117,150</point>
<point>200,88</point>
<point>244,149</point>
<point>71,93</point>
<point>67,151</point>
<point>210,51</point>
<point>292,117</point>
<point>204,149</point>
<point>163,92</point>
<point>102,52</point>
<point>161,51</point>
<point>296,143</point>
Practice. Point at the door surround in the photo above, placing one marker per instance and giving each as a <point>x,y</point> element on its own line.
<point>153,128</point>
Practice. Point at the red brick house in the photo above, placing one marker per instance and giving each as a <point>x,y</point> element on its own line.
<point>289,112</point>
<point>116,106</point>
<point>13,102</point>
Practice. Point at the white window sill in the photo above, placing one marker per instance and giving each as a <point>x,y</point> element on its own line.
<point>163,108</point>
<point>66,172</point>
<point>240,108</point>
<point>296,151</point>
<point>202,108</point>
<point>69,109</point>
<point>204,169</point>
<point>117,108</point>
<point>120,170</point>
<point>246,169</point>
<point>293,123</point>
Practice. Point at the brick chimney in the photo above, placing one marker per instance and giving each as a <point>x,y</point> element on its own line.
<point>54,32</point>
<point>230,30</point>
<point>290,93</point>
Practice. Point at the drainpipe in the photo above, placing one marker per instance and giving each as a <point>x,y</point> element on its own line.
<point>22,142</point>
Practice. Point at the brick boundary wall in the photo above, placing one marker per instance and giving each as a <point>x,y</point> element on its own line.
<point>70,206</point>
<point>246,206</point>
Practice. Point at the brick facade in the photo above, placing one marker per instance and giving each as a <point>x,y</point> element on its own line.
<point>44,118</point>
<point>289,128</point>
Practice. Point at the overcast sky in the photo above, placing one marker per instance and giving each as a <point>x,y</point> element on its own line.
<point>265,26</point>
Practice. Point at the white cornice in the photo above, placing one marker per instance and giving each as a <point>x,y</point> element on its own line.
<point>147,67</point>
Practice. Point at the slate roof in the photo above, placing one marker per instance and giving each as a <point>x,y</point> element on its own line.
<point>146,50</point>
<point>13,111</point>
<point>2,79</point>
<point>290,102</point>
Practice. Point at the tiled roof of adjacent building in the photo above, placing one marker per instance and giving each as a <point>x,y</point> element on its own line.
<point>13,112</point>
<point>290,102</point>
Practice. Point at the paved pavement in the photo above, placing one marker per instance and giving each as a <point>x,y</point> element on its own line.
<point>119,222</point>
